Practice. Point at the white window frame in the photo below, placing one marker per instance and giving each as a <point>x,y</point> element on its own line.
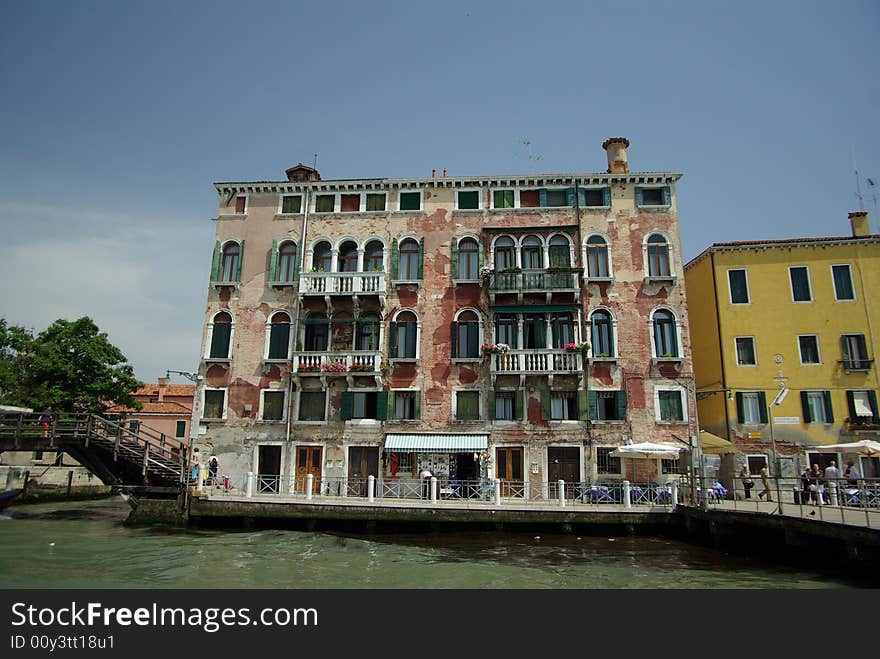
<point>247,203</point>
<point>678,338</point>
<point>481,405</point>
<point>365,421</point>
<point>480,203</point>
<point>801,354</point>
<point>684,404</point>
<point>364,201</point>
<point>817,394</point>
<point>608,255</point>
<point>480,334</point>
<point>614,346</point>
<point>468,236</point>
<point>283,418</point>
<point>809,284</point>
<point>752,395</point>
<point>299,394</point>
<point>514,421</point>
<point>210,336</point>
<point>421,194</point>
<point>754,350</point>
<point>418,336</point>
<point>730,288</point>
<point>336,202</point>
<point>566,396</point>
<point>398,390</point>
<point>852,282</point>
<point>225,391</point>
<point>281,197</point>
<point>507,189</point>
<point>670,257</point>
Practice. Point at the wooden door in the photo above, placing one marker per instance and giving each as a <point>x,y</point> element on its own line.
<point>509,470</point>
<point>308,461</point>
<point>563,463</point>
<point>363,462</point>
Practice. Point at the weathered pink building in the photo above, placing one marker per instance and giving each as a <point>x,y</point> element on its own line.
<point>384,326</point>
<point>165,408</point>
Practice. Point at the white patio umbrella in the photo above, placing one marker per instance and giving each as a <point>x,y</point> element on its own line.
<point>647,451</point>
<point>865,447</point>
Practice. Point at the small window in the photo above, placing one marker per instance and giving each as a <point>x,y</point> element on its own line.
<point>467,405</point>
<point>180,429</point>
<point>230,264</point>
<point>751,407</point>
<point>405,404</point>
<point>468,259</point>
<point>410,201</point>
<point>291,203</point>
<point>671,408</point>
<point>363,405</point>
<point>468,199</point>
<point>325,203</point>
<point>529,198</point>
<point>843,286</point>
<point>597,257</point>
<point>756,463</point>
<point>505,405</point>
<point>563,406</point>
<point>605,462</point>
<point>556,198</point>
<point>273,405</point>
<point>658,256</point>
<point>855,352</point>
<point>817,407</point>
<point>808,345</point>
<point>286,262</point>
<point>739,288</point>
<point>745,351</point>
<point>215,400</point>
<point>376,202</point>
<point>503,199</point>
<point>652,197</point>
<point>240,204</point>
<point>665,335</point>
<point>610,405</point>
<point>594,197</point>
<point>312,405</point>
<point>350,203</point>
<point>862,407</point>
<point>800,284</point>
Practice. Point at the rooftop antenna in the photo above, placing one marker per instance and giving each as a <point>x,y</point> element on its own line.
<point>533,157</point>
<point>858,182</point>
<point>315,162</point>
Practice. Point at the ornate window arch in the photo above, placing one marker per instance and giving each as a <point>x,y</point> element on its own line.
<point>665,334</point>
<point>467,333</point>
<point>277,336</point>
<point>658,255</point>
<point>404,333</point>
<point>597,257</point>
<point>603,333</point>
<point>219,335</point>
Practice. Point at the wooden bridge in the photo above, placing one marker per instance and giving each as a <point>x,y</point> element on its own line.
<point>137,457</point>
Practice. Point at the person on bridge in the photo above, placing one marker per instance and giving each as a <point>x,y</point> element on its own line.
<point>747,483</point>
<point>765,479</point>
<point>45,421</point>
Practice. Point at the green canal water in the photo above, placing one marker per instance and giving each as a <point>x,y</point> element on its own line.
<point>86,545</point>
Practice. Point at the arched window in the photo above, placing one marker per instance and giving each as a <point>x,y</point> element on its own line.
<point>560,252</point>
<point>373,259</point>
<point>348,257</point>
<point>230,262</point>
<point>221,334</point>
<point>532,256</point>
<point>506,330</point>
<point>658,256</point>
<point>534,331</point>
<point>505,253</point>
<point>287,261</point>
<point>279,336</point>
<point>367,332</point>
<point>409,260</point>
<point>562,327</point>
<point>602,333</point>
<point>317,337</point>
<point>322,257</point>
<point>597,257</point>
<point>466,335</point>
<point>404,336</point>
<point>468,259</point>
<point>665,334</point>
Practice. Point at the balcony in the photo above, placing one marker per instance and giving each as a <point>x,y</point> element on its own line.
<point>856,365</point>
<point>339,364</point>
<point>563,280</point>
<point>342,283</point>
<point>548,362</point>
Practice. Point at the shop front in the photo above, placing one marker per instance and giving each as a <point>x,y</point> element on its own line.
<point>459,462</point>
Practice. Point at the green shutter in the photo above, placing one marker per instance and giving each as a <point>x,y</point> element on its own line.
<point>583,407</point>
<point>392,340</point>
<point>215,262</point>
<point>273,262</point>
<point>454,334</point>
<point>829,408</point>
<point>851,405</point>
<point>455,258</point>
<point>417,405</point>
<point>805,406</point>
<point>606,196</point>
<point>762,404</point>
<point>639,200</point>
<point>296,264</point>
<point>421,259</point>
<point>382,405</point>
<point>395,259</point>
<point>518,405</point>
<point>582,197</point>
<point>569,196</point>
<point>240,259</point>
<point>542,197</point>
<point>872,401</point>
<point>593,405</point>
<point>545,404</point>
<point>740,412</point>
<point>621,405</point>
<point>490,401</point>
<point>667,196</point>
<point>389,409</point>
<point>345,406</point>
<point>479,253</point>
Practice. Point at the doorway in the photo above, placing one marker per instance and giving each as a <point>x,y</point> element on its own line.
<point>563,463</point>
<point>269,469</point>
<point>308,461</point>
<point>466,467</point>
<point>509,470</point>
<point>363,462</point>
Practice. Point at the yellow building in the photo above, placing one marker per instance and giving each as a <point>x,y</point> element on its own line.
<point>800,315</point>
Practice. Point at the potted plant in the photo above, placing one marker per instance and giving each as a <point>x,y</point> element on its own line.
<point>334,367</point>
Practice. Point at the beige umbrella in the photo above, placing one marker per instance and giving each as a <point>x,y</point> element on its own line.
<point>865,447</point>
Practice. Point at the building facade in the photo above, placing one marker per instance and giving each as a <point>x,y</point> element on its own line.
<point>166,410</point>
<point>797,314</point>
<point>510,327</point>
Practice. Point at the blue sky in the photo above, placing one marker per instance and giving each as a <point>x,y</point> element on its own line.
<point>117,117</point>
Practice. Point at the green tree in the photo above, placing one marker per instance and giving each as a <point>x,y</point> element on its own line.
<point>70,366</point>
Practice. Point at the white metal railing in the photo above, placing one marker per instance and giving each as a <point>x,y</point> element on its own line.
<point>537,361</point>
<point>363,361</point>
<point>342,283</point>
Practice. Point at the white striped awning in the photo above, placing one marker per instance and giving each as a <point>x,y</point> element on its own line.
<point>436,443</point>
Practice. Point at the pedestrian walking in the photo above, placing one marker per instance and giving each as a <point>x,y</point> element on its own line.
<point>45,421</point>
<point>765,480</point>
<point>747,482</point>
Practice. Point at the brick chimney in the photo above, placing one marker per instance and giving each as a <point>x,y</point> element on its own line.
<point>163,383</point>
<point>858,220</point>
<point>616,149</point>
